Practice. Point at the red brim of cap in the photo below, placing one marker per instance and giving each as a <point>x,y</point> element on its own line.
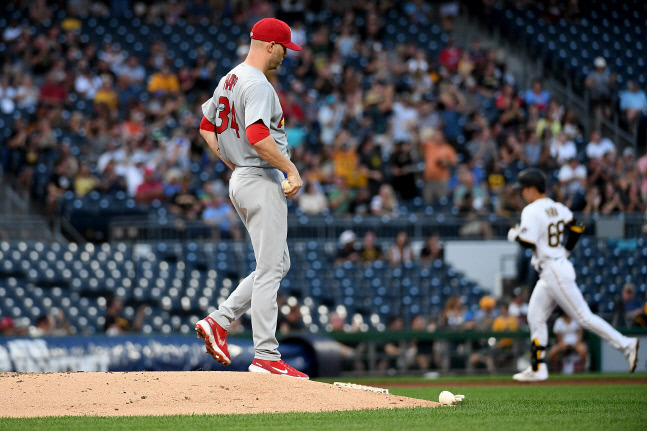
<point>293,46</point>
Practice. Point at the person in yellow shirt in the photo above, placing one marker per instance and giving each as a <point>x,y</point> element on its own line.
<point>106,95</point>
<point>164,82</point>
<point>84,181</point>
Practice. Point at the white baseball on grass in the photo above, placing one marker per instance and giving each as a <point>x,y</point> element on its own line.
<point>285,184</point>
<point>446,398</point>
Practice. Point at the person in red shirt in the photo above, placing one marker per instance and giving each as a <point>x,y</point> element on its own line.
<point>450,56</point>
<point>53,92</point>
<point>150,189</point>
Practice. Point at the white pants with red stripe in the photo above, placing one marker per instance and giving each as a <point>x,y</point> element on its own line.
<point>556,286</point>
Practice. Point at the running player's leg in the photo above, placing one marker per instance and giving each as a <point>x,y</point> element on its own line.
<point>540,306</point>
<point>561,279</point>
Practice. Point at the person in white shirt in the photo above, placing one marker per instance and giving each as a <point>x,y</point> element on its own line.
<point>549,229</point>
<point>572,176</point>
<point>599,146</point>
<point>561,149</point>
<point>569,339</point>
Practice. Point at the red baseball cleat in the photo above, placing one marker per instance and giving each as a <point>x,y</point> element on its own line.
<point>215,338</point>
<point>275,367</point>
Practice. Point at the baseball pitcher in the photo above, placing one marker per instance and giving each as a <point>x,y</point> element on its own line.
<point>243,125</point>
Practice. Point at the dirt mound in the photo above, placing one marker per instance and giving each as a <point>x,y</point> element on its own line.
<point>170,393</point>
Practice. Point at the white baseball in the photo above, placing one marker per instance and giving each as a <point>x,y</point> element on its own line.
<point>285,184</point>
<point>446,398</point>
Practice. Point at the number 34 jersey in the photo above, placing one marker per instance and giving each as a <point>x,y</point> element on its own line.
<point>543,223</point>
<point>244,97</point>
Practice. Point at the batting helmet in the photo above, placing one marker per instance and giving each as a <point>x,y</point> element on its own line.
<point>531,177</point>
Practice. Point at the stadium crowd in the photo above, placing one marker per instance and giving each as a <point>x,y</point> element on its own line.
<point>453,128</point>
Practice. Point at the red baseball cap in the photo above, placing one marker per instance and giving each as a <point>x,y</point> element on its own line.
<point>274,30</point>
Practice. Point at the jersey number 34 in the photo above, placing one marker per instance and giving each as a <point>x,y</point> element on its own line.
<point>223,112</point>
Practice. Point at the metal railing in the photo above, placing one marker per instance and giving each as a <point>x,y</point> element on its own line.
<point>417,226</point>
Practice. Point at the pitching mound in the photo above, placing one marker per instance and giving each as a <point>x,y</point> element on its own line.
<point>171,393</point>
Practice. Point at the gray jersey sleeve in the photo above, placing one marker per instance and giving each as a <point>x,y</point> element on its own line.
<point>210,109</point>
<point>259,99</point>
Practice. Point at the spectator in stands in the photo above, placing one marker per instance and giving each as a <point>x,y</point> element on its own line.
<point>292,321</point>
<point>330,117</point>
<point>312,201</point>
<point>53,92</point>
<point>573,179</point>
<point>371,164</point>
<point>500,354</point>
<point>371,250</point>
<point>422,349</point>
<point>518,307</point>
<point>440,157</point>
<point>163,82</point>
<point>405,118</point>
<point>571,127</point>
<point>385,204</point>
<point>562,150</point>
<point>184,202</point>
<point>599,146</point>
<point>482,148</point>
<point>396,356</point>
<point>59,182</point>
<point>400,252</point>
<point>151,189</point>
<point>403,169</point>
<point>569,340</point>
<point>600,84</point>
<point>551,121</point>
<point>433,249</point>
<point>633,101</point>
<point>7,327</point>
<point>628,307</point>
<point>592,201</point>
<point>537,95</point>
<point>116,324</point>
<point>339,196</point>
<point>110,182</point>
<point>51,324</point>
<point>84,181</point>
<point>106,95</point>
<point>347,250</point>
<point>612,201</point>
<point>219,213</point>
<point>86,83</point>
<point>450,55</point>
<point>641,166</point>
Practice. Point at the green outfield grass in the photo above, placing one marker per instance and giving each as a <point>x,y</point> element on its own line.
<point>590,407</point>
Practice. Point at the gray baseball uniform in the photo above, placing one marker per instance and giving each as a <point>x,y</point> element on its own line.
<point>242,98</point>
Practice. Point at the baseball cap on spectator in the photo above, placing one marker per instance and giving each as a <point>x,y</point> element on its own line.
<point>600,62</point>
<point>629,287</point>
<point>628,152</point>
<point>347,236</point>
<point>274,30</point>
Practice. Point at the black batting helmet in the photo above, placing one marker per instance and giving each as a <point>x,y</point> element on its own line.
<point>531,177</point>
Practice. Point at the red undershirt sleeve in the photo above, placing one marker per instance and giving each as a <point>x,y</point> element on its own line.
<point>207,125</point>
<point>257,132</point>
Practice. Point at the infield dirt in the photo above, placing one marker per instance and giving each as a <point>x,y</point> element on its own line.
<point>170,393</point>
